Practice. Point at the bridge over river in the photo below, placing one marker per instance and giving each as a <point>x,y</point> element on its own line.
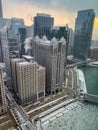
<point>90,98</point>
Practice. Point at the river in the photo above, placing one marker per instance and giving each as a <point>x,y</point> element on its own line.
<point>82,116</point>
<point>91,78</point>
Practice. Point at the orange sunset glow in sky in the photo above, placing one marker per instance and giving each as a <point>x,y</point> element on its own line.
<point>63,11</point>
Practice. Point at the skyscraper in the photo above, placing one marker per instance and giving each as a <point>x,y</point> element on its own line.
<point>18,26</point>
<point>3,103</point>
<point>1,55</point>
<point>67,33</point>
<point>28,79</point>
<point>30,31</point>
<point>14,73</point>
<point>4,22</point>
<point>42,24</point>
<point>51,54</point>
<point>41,81</point>
<point>10,48</point>
<point>83,33</point>
<point>1,14</point>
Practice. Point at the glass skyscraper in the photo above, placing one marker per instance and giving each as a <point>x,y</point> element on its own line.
<point>42,25</point>
<point>83,34</point>
<point>1,14</point>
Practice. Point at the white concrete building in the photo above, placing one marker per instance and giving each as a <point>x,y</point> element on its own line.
<point>28,79</point>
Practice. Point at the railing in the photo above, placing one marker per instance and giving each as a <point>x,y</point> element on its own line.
<point>79,63</point>
<point>90,98</point>
<point>18,113</point>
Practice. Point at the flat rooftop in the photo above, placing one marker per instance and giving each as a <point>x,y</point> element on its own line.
<point>44,15</point>
<point>27,57</point>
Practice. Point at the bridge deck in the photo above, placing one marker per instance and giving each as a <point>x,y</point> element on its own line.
<point>90,98</point>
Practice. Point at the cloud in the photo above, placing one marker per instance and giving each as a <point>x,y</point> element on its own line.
<point>64,11</point>
<point>67,5</point>
<point>40,3</point>
<point>74,5</point>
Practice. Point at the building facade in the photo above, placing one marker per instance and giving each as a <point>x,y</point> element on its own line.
<point>10,49</point>
<point>42,24</point>
<point>67,33</point>
<point>3,102</point>
<point>41,81</point>
<point>27,82</point>
<point>4,22</point>
<point>14,73</point>
<point>1,13</point>
<point>83,34</point>
<point>18,27</point>
<point>51,54</point>
<point>94,53</point>
<point>30,31</point>
<point>1,54</point>
<point>28,79</point>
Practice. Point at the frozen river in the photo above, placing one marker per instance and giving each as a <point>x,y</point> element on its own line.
<point>80,117</point>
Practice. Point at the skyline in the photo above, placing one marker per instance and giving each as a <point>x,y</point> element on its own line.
<point>64,12</point>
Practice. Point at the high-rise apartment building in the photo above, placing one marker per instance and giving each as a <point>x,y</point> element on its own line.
<point>41,81</point>
<point>28,79</point>
<point>51,54</point>
<point>10,48</point>
<point>3,103</point>
<point>42,24</point>
<point>14,73</point>
<point>83,34</point>
<point>1,55</point>
<point>1,13</point>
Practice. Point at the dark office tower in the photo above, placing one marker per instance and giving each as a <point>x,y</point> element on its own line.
<point>1,14</point>
<point>19,28</point>
<point>83,34</point>
<point>42,25</point>
<point>10,49</point>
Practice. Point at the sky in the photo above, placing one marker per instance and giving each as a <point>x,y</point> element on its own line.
<point>63,11</point>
